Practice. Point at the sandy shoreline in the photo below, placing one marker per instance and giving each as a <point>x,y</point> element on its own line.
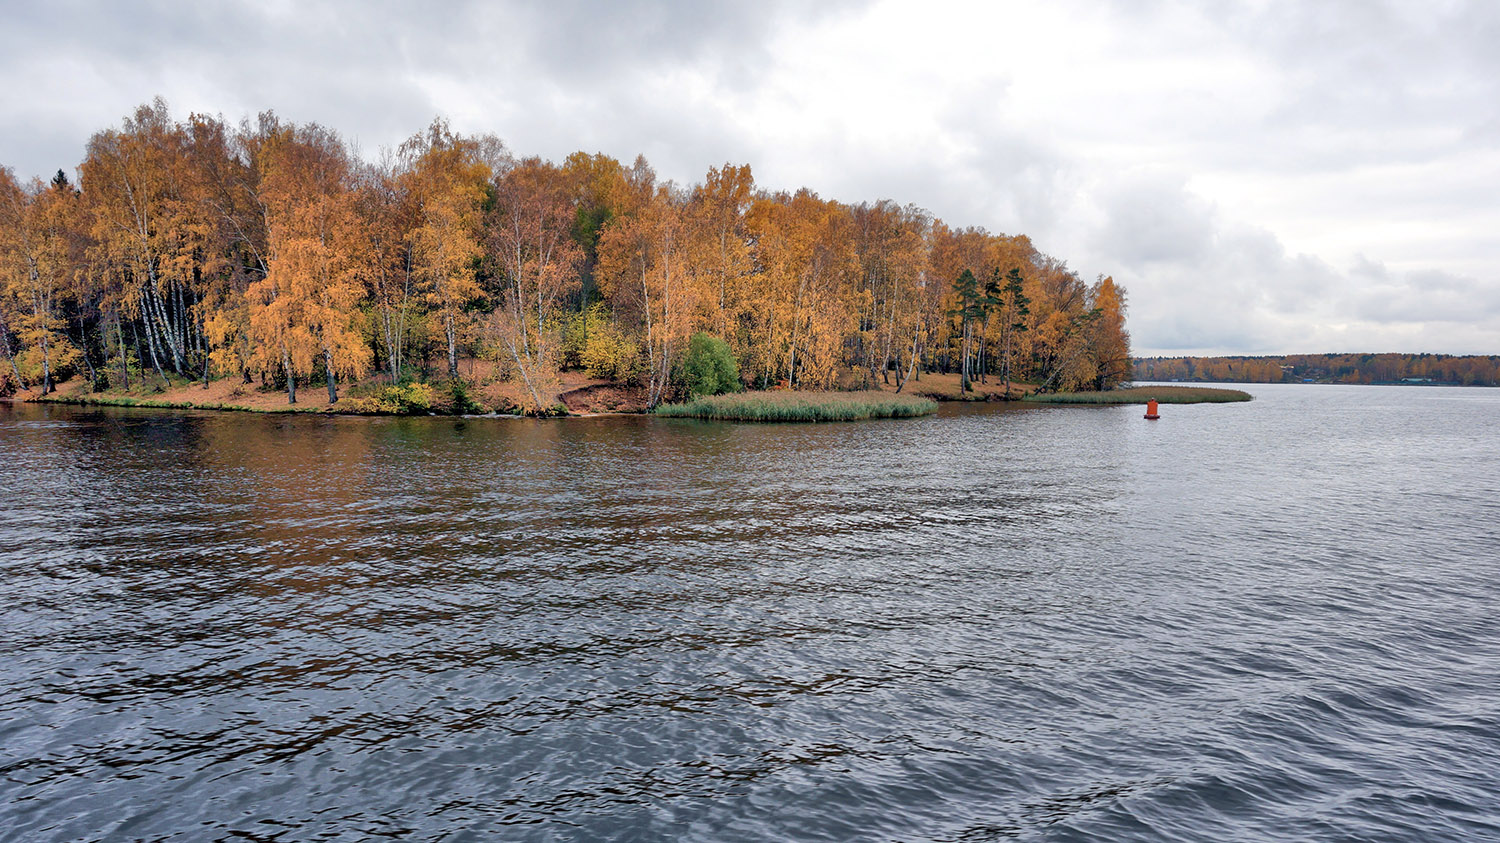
<point>583,397</point>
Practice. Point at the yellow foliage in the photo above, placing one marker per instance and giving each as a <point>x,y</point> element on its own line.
<point>274,249</point>
<point>605,351</point>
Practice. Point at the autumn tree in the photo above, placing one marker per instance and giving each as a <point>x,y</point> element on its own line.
<point>600,194</point>
<point>641,270</point>
<point>891,244</point>
<point>1014,309</point>
<point>1060,315</point>
<point>389,214</point>
<point>969,309</point>
<point>305,309</point>
<point>806,302</point>
<point>190,248</point>
<point>718,245</point>
<point>531,245</point>
<point>446,178</point>
<point>34,271</point>
<point>225,181</point>
<point>151,229</point>
<point>1109,342</point>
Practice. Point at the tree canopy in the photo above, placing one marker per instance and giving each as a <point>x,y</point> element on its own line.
<point>197,249</point>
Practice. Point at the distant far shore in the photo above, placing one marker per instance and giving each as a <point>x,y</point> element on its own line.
<point>1366,369</point>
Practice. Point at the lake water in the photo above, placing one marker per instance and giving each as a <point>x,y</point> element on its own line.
<point>1263,621</point>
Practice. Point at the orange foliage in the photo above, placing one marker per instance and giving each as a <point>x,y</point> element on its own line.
<point>194,248</point>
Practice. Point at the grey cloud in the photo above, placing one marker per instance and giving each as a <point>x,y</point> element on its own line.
<point>1362,66</point>
<point>360,69</point>
<point>1246,294</point>
<point>1412,298</point>
<point>234,59</point>
<point>991,174</point>
<point>1178,333</point>
<point>1352,85</point>
<point>579,41</point>
<point>679,139</point>
<point>1313,282</point>
<point>1151,219</point>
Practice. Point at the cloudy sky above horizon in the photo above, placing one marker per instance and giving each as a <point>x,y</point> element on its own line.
<point>1263,176</point>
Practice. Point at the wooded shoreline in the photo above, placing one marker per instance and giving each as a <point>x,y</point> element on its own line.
<point>269,253</point>
<point>1385,369</point>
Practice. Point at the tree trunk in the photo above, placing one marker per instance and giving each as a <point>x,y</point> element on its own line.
<point>392,352</point>
<point>1007,365</point>
<point>83,351</point>
<point>183,324</point>
<point>46,366</point>
<point>521,367</point>
<point>912,367</point>
<point>452,347</point>
<point>887,345</point>
<point>651,396</point>
<point>5,336</point>
<point>333,395</point>
<point>291,379</point>
<point>124,363</point>
<point>151,344</point>
<point>135,335</point>
<point>1005,355</point>
<point>963,366</point>
<point>146,322</point>
<point>162,329</point>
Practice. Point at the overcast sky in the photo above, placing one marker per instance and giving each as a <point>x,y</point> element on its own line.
<point>1262,176</point>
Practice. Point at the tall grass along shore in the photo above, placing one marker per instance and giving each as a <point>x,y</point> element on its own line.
<point>800,406</point>
<point>160,404</point>
<point>1142,394</point>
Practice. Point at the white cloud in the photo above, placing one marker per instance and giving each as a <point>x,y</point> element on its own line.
<point>1262,175</point>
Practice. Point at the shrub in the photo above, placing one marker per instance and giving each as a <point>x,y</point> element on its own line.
<point>462,403</point>
<point>62,360</point>
<point>591,340</point>
<point>397,399</point>
<point>709,367</point>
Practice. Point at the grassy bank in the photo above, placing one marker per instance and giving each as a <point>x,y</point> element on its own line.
<point>801,406</point>
<point>105,400</point>
<point>1142,394</point>
<point>374,396</point>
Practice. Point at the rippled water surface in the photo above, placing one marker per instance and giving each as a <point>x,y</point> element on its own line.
<point>1264,621</point>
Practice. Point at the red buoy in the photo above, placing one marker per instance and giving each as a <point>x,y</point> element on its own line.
<point>1151,409</point>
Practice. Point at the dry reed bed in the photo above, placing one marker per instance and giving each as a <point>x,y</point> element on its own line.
<point>789,406</point>
<point>1142,394</point>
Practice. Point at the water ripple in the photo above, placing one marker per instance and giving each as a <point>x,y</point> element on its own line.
<point>1002,623</point>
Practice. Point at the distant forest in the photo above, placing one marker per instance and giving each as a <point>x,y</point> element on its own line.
<point>1325,368</point>
<point>197,249</point>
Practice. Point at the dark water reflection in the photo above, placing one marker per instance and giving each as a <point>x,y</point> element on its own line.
<point>1244,622</point>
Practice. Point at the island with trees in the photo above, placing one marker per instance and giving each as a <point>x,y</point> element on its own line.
<point>195,261</point>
